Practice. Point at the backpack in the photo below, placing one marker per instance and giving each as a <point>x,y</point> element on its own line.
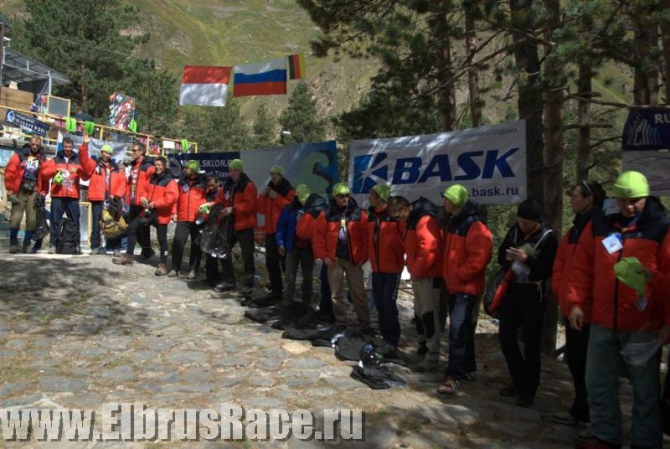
<point>68,237</point>
<point>112,224</point>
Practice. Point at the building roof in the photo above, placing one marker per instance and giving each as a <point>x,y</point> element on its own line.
<point>21,68</point>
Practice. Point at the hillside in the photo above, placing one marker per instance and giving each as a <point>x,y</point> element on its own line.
<point>229,32</point>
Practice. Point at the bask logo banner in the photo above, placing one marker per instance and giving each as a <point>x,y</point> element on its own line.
<point>489,161</point>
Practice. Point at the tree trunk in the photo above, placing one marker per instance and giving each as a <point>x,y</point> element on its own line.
<point>554,82</point>
<point>665,39</point>
<point>444,71</point>
<point>530,95</point>
<point>645,71</point>
<point>584,90</point>
<point>473,74</point>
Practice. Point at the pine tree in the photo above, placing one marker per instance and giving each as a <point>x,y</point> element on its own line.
<point>299,121</point>
<point>265,129</point>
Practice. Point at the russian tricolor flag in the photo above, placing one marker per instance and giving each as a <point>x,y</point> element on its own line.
<point>262,78</point>
<point>204,85</point>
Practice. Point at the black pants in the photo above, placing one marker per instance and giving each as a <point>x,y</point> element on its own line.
<point>304,259</point>
<point>212,270</point>
<point>461,341</point>
<point>246,239</point>
<point>183,230</point>
<point>326,304</point>
<point>272,262</point>
<point>385,295</point>
<point>60,206</point>
<point>143,233</point>
<point>523,307</point>
<point>96,216</point>
<point>135,229</point>
<point>576,344</point>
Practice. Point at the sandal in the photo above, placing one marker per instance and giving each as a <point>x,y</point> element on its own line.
<point>449,387</point>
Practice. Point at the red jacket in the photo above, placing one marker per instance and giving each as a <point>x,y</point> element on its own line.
<point>271,208</point>
<point>192,195</point>
<point>98,188</point>
<point>69,188</point>
<point>163,192</point>
<point>314,206</point>
<point>142,170</point>
<point>326,235</point>
<point>16,171</point>
<point>387,249</point>
<point>423,241</point>
<point>564,263</point>
<point>591,280</point>
<point>468,248</point>
<point>243,199</point>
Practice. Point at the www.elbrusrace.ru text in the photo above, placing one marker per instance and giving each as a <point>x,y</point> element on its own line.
<point>137,422</point>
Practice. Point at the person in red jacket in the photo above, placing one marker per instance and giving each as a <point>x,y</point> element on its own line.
<point>468,247</point>
<point>158,197</point>
<point>192,195</point>
<point>586,200</point>
<point>66,170</point>
<point>23,183</point>
<point>141,170</point>
<point>107,181</point>
<point>387,257</point>
<point>423,245</point>
<point>341,241</point>
<point>271,201</point>
<point>624,318</point>
<point>239,197</point>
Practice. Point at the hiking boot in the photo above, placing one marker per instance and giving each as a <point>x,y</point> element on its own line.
<point>567,419</point>
<point>192,274</point>
<point>422,350</point>
<point>509,392</point>
<point>97,251</point>
<point>117,252</point>
<point>26,247</point>
<point>160,270</point>
<point>123,260</point>
<point>173,274</point>
<point>52,250</point>
<point>14,248</point>
<point>224,287</point>
<point>426,366</point>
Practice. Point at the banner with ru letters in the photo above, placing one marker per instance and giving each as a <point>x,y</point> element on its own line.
<point>646,146</point>
<point>490,161</point>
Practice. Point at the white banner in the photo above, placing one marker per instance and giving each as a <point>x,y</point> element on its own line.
<point>490,161</point>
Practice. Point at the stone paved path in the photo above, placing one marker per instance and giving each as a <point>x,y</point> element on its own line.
<point>76,332</point>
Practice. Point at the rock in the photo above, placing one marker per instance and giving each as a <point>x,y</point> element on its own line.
<point>58,384</point>
<point>188,357</point>
<point>119,374</point>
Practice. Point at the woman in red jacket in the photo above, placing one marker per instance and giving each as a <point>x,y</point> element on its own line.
<point>192,195</point>
<point>107,181</point>
<point>387,257</point>
<point>423,244</point>
<point>159,196</point>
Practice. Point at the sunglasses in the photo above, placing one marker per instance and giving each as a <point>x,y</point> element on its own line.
<point>585,185</point>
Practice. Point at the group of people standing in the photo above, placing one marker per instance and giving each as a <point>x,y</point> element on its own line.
<point>608,272</point>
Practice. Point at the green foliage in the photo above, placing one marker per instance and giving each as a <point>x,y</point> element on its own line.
<point>216,129</point>
<point>82,39</point>
<point>300,118</point>
<point>265,129</point>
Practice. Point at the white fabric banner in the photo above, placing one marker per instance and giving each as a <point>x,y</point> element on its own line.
<point>490,161</point>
